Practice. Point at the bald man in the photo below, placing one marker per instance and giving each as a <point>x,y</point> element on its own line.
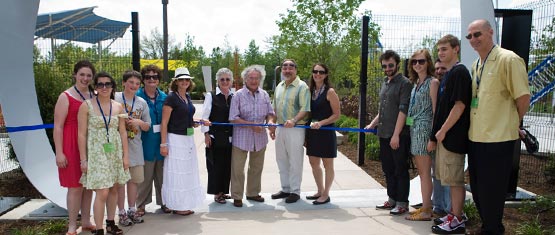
<point>500,98</point>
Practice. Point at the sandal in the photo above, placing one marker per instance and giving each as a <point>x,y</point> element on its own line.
<point>165,209</point>
<point>140,211</point>
<point>421,214</point>
<point>88,228</point>
<point>112,228</point>
<point>225,196</point>
<point>183,213</point>
<point>220,199</point>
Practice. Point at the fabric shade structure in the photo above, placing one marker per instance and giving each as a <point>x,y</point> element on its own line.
<point>80,25</point>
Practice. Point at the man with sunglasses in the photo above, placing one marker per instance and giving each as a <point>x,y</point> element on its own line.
<point>449,136</point>
<point>500,98</point>
<point>154,162</point>
<point>393,133</point>
<point>291,105</point>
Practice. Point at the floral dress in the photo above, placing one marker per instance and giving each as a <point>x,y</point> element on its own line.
<point>104,169</point>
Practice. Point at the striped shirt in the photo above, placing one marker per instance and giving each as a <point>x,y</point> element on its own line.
<point>291,99</point>
<point>252,108</point>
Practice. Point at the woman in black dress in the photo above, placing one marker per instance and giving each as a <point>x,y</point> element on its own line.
<point>321,145</point>
<point>218,138</point>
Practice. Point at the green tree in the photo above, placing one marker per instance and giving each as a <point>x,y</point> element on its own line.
<point>325,31</point>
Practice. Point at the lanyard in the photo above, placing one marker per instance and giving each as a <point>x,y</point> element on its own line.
<point>443,82</point>
<point>478,78</point>
<point>78,92</point>
<point>189,106</point>
<point>106,124</point>
<point>152,106</point>
<point>416,91</point>
<point>125,104</point>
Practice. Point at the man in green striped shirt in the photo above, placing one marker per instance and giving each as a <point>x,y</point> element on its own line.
<point>291,105</point>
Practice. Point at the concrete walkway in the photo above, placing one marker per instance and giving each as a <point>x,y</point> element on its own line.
<point>351,211</point>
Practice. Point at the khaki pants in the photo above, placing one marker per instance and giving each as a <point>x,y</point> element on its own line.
<point>254,172</point>
<point>153,171</point>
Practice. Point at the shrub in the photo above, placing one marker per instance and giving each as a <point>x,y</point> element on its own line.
<point>530,228</point>
<point>471,212</point>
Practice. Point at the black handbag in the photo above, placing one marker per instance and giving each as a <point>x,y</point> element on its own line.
<point>530,141</point>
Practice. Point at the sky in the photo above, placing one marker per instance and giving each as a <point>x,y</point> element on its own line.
<point>213,22</point>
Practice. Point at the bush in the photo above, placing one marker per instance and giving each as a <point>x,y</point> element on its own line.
<point>471,212</point>
<point>530,228</point>
<point>50,227</point>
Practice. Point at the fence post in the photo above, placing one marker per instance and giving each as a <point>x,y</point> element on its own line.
<point>362,89</point>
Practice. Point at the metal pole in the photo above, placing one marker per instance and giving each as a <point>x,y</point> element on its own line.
<point>136,51</point>
<point>362,89</point>
<point>165,50</point>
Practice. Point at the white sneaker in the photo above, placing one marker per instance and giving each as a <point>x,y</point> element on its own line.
<point>452,225</point>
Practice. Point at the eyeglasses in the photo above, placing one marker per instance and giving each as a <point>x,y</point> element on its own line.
<point>289,65</point>
<point>155,77</point>
<point>225,79</point>
<point>104,85</point>
<point>475,34</point>
<point>390,65</point>
<point>420,61</point>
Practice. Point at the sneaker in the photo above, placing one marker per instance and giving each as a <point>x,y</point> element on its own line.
<point>385,206</point>
<point>135,217</point>
<point>438,221</point>
<point>398,210</point>
<point>452,225</point>
<point>124,219</point>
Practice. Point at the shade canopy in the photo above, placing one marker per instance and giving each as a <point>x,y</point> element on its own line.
<point>80,25</point>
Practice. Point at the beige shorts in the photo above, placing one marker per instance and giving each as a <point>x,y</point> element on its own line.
<point>137,174</point>
<point>449,167</point>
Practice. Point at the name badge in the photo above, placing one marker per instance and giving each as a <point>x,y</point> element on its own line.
<point>190,131</point>
<point>156,128</point>
<point>130,134</point>
<point>409,121</point>
<point>474,102</point>
<point>109,147</point>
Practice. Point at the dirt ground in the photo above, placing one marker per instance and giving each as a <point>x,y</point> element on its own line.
<point>530,179</point>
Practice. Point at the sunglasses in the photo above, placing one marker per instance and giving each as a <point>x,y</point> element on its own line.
<point>225,79</point>
<point>289,65</point>
<point>319,72</point>
<point>475,34</point>
<point>104,85</point>
<point>154,77</point>
<point>390,65</point>
<point>420,61</point>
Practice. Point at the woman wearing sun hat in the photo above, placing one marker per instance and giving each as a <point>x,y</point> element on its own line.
<point>181,189</point>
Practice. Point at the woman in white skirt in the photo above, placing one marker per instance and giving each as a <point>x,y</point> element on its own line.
<point>181,189</point>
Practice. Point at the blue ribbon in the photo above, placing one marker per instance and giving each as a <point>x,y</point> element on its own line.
<point>299,126</point>
<point>29,128</point>
<point>48,126</point>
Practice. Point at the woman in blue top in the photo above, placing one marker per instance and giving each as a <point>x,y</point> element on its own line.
<point>154,162</point>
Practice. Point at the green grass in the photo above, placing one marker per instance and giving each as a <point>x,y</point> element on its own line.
<point>530,228</point>
<point>49,227</point>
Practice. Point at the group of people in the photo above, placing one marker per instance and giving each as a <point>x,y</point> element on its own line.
<point>118,144</point>
<point>440,119</point>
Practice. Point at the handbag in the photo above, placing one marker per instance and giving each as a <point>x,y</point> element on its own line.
<point>530,141</point>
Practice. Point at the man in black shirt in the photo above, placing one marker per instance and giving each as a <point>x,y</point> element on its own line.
<point>393,133</point>
<point>450,133</point>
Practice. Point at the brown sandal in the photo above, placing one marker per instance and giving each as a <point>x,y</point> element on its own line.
<point>165,209</point>
<point>422,214</point>
<point>183,213</point>
<point>141,211</point>
<point>220,199</point>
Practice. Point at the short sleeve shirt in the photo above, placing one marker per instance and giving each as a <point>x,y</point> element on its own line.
<point>291,99</point>
<point>503,79</point>
<point>181,117</point>
<point>137,109</point>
